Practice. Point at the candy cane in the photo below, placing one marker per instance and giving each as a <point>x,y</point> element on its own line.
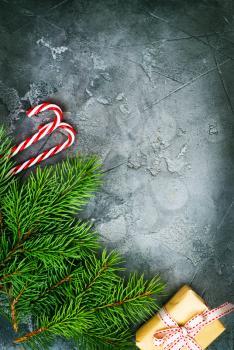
<point>48,153</point>
<point>43,131</point>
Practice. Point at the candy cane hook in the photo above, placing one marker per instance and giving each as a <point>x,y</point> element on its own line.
<point>48,153</point>
<point>43,129</point>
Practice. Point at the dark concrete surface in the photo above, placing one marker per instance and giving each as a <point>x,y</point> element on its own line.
<point>149,85</point>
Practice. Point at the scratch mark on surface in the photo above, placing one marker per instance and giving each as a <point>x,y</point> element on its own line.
<point>178,252</point>
<point>114,167</point>
<point>155,71</point>
<point>203,35</point>
<point>225,215</point>
<point>140,66</point>
<point>184,85</point>
<point>23,26</point>
<point>187,37</point>
<point>194,276</point>
<point>223,84</point>
<point>187,33</point>
<point>50,23</point>
<point>167,76</point>
<point>58,5</point>
<point>178,28</point>
<point>226,20</point>
<point>203,293</point>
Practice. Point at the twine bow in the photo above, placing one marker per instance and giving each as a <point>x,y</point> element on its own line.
<point>175,337</point>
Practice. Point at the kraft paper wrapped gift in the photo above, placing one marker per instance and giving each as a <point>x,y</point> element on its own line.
<point>184,305</point>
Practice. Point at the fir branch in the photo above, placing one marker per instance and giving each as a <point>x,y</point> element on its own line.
<point>129,303</point>
<point>5,164</point>
<point>45,197</point>
<point>18,248</point>
<point>50,268</point>
<point>59,283</point>
<point>75,240</point>
<point>91,342</point>
<point>13,310</point>
<point>49,194</point>
<point>28,335</point>
<point>68,321</point>
<point>46,296</point>
<point>83,281</point>
<point>136,289</point>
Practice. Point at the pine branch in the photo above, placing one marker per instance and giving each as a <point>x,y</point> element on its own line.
<point>91,342</point>
<point>54,292</point>
<point>137,290</point>
<point>76,241</point>
<point>83,281</point>
<point>127,304</point>
<point>50,194</point>
<point>18,248</point>
<point>68,321</point>
<point>13,310</point>
<point>108,322</point>
<point>5,164</point>
<point>59,283</point>
<point>84,284</point>
<point>50,269</point>
<point>28,335</point>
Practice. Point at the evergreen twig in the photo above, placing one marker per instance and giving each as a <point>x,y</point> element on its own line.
<point>51,267</point>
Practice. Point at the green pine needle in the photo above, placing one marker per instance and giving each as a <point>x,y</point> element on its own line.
<point>52,268</point>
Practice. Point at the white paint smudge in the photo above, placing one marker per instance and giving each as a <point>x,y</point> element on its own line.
<point>98,62</point>
<point>178,163</point>
<point>55,51</point>
<point>124,108</point>
<point>103,100</point>
<point>120,96</point>
<point>106,76</point>
<point>88,92</point>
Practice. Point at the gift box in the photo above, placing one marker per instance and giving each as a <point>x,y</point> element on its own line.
<point>183,306</point>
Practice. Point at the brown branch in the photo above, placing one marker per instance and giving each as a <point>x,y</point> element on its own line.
<point>13,310</point>
<point>1,220</point>
<point>118,303</point>
<point>59,283</point>
<point>14,250</point>
<point>95,278</point>
<point>65,279</point>
<point>26,235</point>
<point>9,255</point>
<point>42,329</point>
<point>29,335</point>
<point>68,278</point>
<point>8,275</point>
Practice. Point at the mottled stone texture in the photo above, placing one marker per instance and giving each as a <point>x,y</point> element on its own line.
<point>149,87</point>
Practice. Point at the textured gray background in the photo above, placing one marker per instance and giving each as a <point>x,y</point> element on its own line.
<point>149,87</point>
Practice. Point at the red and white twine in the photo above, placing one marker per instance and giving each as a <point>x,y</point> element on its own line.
<point>44,130</point>
<point>175,337</point>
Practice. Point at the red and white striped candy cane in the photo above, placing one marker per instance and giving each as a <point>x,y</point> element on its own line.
<point>48,153</point>
<point>44,130</point>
